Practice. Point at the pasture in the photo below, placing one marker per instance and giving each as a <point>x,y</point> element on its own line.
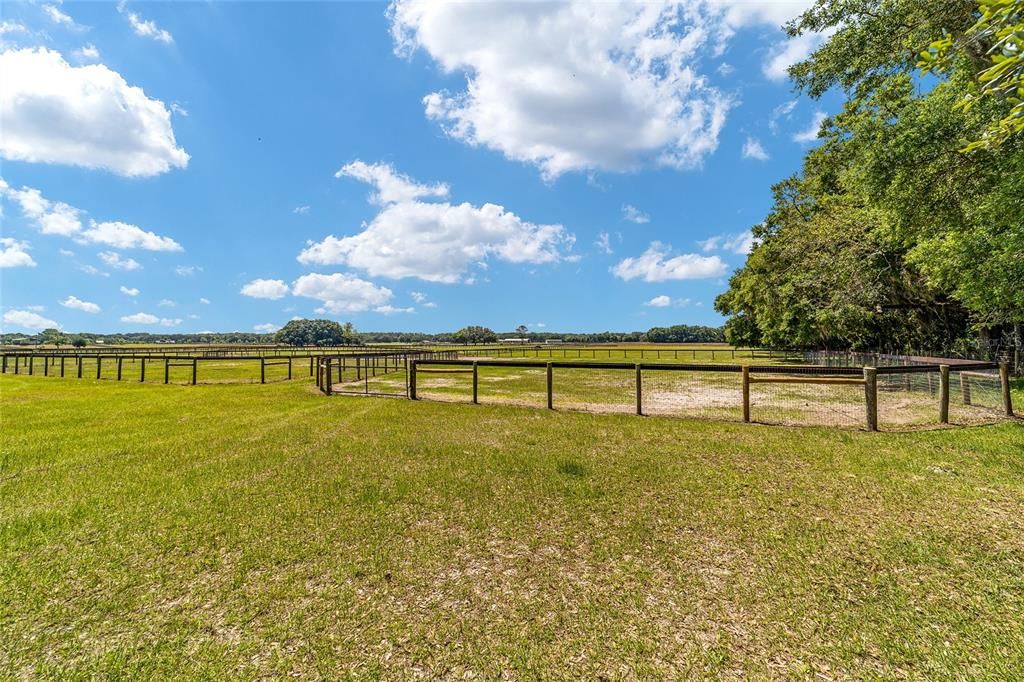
<point>251,531</point>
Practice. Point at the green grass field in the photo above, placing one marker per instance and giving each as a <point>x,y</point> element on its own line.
<point>256,531</point>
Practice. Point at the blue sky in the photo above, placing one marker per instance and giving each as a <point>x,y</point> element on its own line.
<point>414,166</point>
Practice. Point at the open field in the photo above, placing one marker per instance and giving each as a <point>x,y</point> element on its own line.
<point>235,530</point>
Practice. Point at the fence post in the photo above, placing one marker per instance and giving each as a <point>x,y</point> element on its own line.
<point>639,390</point>
<point>119,364</point>
<point>551,382</point>
<point>943,394</point>
<point>142,371</point>
<point>311,367</point>
<point>62,366</point>
<point>5,365</point>
<point>30,363</point>
<point>871,397</point>
<point>17,364</point>
<point>99,365</point>
<point>965,387</point>
<point>263,370</point>
<point>412,379</point>
<point>475,375</point>
<point>289,368</point>
<point>46,366</point>
<point>745,370</point>
<point>194,363</point>
<point>167,370</point>
<point>1004,380</point>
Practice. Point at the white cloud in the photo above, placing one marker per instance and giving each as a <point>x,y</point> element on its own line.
<point>752,149</point>
<point>435,242</point>
<point>790,51</point>
<point>65,252</point>
<point>575,85</point>
<point>58,17</point>
<point>301,210</point>
<point>266,327</point>
<point>783,111</point>
<point>179,110</point>
<point>810,134</point>
<point>429,304</point>
<point>659,302</point>
<point>114,260</point>
<point>49,217</point>
<point>146,28</point>
<point>204,301</point>
<point>28,320</point>
<point>740,243</point>
<point>125,236</point>
<point>92,270</point>
<point>341,292</point>
<point>14,254</point>
<point>604,242</point>
<point>392,187</point>
<point>187,270</point>
<point>657,265</point>
<point>146,318</point>
<point>52,112</point>
<point>76,303</point>
<point>391,310</point>
<point>87,53</point>
<point>166,303</point>
<point>129,291</point>
<point>634,215</point>
<point>272,289</point>
<point>418,296</point>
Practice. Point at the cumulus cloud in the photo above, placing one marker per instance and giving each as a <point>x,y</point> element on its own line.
<point>634,215</point>
<point>53,112</point>
<point>114,260</point>
<point>740,243</point>
<point>656,264</point>
<point>76,303</point>
<point>572,85</point>
<point>56,217</point>
<point>57,16</point>
<point>604,243</point>
<point>392,187</point>
<point>14,254</point>
<point>790,51</point>
<point>391,310</point>
<point>272,289</point>
<point>810,134</point>
<point>435,242</point>
<point>752,149</point>
<point>659,302</point>
<point>341,292</point>
<point>166,303</point>
<point>266,327</point>
<point>187,270</point>
<point>418,296</point>
<point>129,291</point>
<point>302,210</point>
<point>87,53</point>
<point>28,320</point>
<point>146,318</point>
<point>204,301</point>
<point>783,111</point>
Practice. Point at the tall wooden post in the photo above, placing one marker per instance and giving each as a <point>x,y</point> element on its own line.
<point>78,359</point>
<point>120,362</point>
<point>965,387</point>
<point>1004,380</point>
<point>17,363</point>
<point>639,390</point>
<point>195,362</point>
<point>311,367</point>
<point>142,371</point>
<point>329,379</point>
<point>746,392</point>
<point>943,394</point>
<point>476,372</point>
<point>551,392</point>
<point>289,368</point>
<point>46,365</point>
<point>263,370</point>
<point>99,366</point>
<point>412,380</point>
<point>62,366</point>
<point>871,397</point>
<point>167,370</point>
<point>31,358</point>
<point>5,365</point>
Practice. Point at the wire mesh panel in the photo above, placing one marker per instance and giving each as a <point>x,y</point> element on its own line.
<point>513,386</point>
<point>807,404</point>
<point>693,394</point>
<point>595,390</point>
<point>975,396</point>
<point>908,399</point>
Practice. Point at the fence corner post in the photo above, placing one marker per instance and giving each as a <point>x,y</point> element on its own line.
<point>745,372</point>
<point>639,390</point>
<point>871,397</point>
<point>550,382</point>
<point>1004,380</point>
<point>412,379</point>
<point>476,374</point>
<point>943,394</point>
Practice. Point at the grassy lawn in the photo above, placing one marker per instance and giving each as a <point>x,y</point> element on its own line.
<point>237,530</point>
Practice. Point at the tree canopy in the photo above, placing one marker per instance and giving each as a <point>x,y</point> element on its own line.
<point>316,333</point>
<point>899,231</point>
